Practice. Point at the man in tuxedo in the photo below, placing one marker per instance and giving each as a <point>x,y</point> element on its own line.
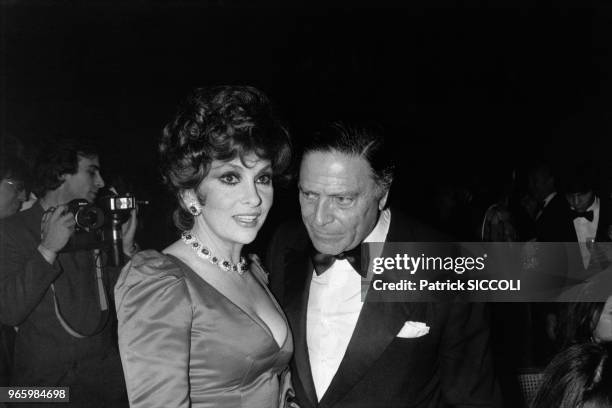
<point>591,215</point>
<point>578,215</point>
<point>350,353</point>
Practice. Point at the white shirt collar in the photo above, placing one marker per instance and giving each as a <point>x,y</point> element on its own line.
<point>381,229</point>
<point>595,205</point>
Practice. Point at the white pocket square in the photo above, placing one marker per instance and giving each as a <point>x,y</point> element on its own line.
<point>413,329</point>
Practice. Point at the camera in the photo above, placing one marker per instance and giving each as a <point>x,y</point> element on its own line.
<point>87,216</point>
<point>98,225</point>
<point>125,203</point>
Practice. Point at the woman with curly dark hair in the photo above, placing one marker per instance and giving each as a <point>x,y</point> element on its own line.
<point>198,326</point>
<point>578,377</point>
<point>583,322</point>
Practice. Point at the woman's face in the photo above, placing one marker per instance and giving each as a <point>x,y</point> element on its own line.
<point>603,330</point>
<point>236,198</point>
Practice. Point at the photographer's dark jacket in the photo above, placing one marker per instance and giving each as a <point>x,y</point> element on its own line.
<point>45,354</point>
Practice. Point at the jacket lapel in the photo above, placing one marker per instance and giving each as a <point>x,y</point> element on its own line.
<point>377,325</point>
<point>296,300</point>
<point>604,223</point>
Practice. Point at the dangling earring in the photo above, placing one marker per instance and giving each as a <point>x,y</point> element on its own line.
<point>195,209</point>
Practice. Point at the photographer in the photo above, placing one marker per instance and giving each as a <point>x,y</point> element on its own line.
<point>58,298</point>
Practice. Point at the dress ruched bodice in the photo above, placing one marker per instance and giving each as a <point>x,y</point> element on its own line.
<point>184,344</point>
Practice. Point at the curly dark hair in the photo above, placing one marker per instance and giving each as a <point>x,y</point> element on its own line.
<point>357,139</point>
<point>219,123</point>
<point>13,167</point>
<point>578,377</point>
<point>578,321</point>
<point>59,156</point>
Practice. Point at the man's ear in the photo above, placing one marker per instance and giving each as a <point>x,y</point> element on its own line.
<point>383,200</point>
<point>63,177</point>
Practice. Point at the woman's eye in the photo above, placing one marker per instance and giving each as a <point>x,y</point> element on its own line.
<point>265,179</point>
<point>229,179</point>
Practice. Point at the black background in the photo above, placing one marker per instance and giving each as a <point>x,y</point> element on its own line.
<point>462,88</point>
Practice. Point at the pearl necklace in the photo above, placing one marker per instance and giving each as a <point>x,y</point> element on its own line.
<point>190,239</point>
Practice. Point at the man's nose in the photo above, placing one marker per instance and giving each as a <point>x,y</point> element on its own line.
<point>99,182</point>
<point>323,214</point>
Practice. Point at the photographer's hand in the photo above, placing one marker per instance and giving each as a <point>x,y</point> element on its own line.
<point>56,229</point>
<point>128,232</point>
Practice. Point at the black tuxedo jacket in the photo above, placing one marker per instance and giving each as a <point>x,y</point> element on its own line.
<point>450,366</point>
<point>556,223</point>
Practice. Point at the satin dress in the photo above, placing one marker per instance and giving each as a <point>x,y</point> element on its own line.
<point>184,344</point>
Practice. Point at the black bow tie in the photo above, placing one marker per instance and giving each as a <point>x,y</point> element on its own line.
<point>587,214</point>
<point>323,262</point>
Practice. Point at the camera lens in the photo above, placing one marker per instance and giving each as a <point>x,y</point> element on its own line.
<point>86,215</point>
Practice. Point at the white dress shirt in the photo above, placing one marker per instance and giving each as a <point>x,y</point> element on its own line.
<point>586,231</point>
<point>334,304</point>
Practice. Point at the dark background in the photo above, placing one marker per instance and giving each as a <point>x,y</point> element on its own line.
<point>465,90</point>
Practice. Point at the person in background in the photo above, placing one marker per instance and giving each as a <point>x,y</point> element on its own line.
<point>582,322</point>
<point>590,216</point>
<point>577,217</point>
<point>13,179</point>
<point>57,297</point>
<point>578,377</point>
<point>551,210</point>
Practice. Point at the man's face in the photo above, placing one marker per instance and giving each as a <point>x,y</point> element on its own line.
<point>580,201</point>
<point>339,199</point>
<point>85,183</point>
<point>12,195</point>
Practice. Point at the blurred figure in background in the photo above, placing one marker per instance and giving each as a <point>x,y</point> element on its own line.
<point>582,322</point>
<point>591,215</point>
<point>13,179</point>
<point>551,210</point>
<point>58,298</point>
<point>578,377</point>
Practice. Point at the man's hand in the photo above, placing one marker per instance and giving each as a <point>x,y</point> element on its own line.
<point>55,230</point>
<point>128,232</point>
